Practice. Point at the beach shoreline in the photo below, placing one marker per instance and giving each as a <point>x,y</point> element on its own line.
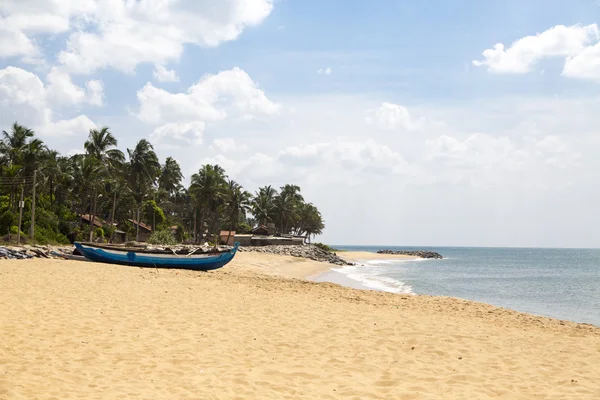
<point>87,330</point>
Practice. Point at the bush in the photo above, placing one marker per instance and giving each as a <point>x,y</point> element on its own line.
<point>49,236</point>
<point>325,247</point>
<point>14,230</point>
<point>179,234</point>
<point>99,233</point>
<point>164,237</point>
<point>7,219</point>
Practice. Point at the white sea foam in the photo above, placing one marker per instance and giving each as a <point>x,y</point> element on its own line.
<point>371,274</point>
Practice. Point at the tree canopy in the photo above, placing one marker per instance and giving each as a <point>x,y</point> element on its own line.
<point>109,185</point>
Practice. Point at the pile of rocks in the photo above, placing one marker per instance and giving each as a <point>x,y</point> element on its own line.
<point>413,253</point>
<point>310,252</point>
<point>37,251</point>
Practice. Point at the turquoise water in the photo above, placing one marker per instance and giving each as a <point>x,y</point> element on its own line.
<point>557,283</point>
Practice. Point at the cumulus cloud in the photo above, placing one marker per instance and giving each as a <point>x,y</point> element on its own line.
<point>522,55</point>
<point>60,90</point>
<point>213,98</point>
<point>585,65</point>
<point>122,34</point>
<point>393,116</point>
<point>175,133</point>
<point>324,71</point>
<point>25,98</point>
<point>162,74</point>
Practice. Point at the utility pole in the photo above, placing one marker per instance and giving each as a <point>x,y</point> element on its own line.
<point>21,205</point>
<point>32,230</point>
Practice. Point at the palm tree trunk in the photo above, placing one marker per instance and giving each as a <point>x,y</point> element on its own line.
<point>195,225</point>
<point>51,195</point>
<point>93,212</point>
<point>202,216</point>
<point>137,225</point>
<point>112,213</point>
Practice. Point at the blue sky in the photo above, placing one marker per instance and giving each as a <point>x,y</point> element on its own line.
<point>388,105</point>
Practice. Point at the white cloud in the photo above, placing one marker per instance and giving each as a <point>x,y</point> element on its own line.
<point>22,22</point>
<point>585,65</point>
<point>79,125</point>
<point>95,89</point>
<point>393,116</point>
<point>226,145</point>
<point>484,152</point>
<point>324,71</point>
<point>24,98</point>
<point>213,98</point>
<point>162,74</point>
<point>125,34</point>
<point>171,133</point>
<point>61,90</point>
<point>521,56</point>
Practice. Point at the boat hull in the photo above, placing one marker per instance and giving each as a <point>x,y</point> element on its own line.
<point>197,262</point>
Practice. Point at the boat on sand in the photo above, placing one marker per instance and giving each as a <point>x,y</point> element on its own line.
<point>157,258</point>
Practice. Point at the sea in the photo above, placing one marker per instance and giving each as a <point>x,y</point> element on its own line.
<point>556,283</point>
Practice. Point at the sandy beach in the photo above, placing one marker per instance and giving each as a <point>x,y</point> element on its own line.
<point>79,330</point>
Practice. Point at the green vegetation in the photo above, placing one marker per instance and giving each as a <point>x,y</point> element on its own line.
<point>107,187</point>
<point>163,237</point>
<point>326,247</point>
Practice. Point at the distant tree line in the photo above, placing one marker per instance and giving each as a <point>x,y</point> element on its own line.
<point>105,182</point>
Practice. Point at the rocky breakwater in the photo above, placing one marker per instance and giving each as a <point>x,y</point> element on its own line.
<point>310,252</point>
<point>37,251</point>
<point>412,253</point>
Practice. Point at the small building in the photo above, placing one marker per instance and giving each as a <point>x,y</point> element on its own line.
<point>118,237</point>
<point>268,240</point>
<point>145,231</point>
<point>261,230</point>
<point>243,239</point>
<point>227,238</point>
<point>85,219</point>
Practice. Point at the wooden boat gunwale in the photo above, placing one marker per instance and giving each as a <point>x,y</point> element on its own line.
<point>141,250</point>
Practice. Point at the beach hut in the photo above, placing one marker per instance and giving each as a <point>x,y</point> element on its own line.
<point>227,237</point>
<point>145,230</point>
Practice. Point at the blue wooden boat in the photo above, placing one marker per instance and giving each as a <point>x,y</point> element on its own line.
<point>183,259</point>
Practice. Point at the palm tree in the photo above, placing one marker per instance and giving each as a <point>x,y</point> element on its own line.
<point>237,205</point>
<point>142,170</point>
<point>263,207</point>
<point>208,188</point>
<point>310,221</point>
<point>101,144</point>
<point>86,171</point>
<point>286,206</point>
<point>13,143</point>
<point>170,176</point>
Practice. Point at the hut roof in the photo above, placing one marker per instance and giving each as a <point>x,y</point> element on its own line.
<point>141,224</point>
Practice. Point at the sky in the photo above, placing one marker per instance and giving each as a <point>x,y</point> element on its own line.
<point>409,123</point>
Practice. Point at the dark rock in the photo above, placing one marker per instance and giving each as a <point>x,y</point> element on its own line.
<point>304,251</point>
<point>412,253</point>
<point>11,254</point>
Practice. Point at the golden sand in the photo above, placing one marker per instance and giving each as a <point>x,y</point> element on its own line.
<point>77,330</point>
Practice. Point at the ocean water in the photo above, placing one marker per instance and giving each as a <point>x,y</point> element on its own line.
<point>557,283</point>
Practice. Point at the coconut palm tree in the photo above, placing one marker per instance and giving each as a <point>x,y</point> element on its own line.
<point>86,171</point>
<point>208,188</point>
<point>237,204</point>
<point>263,207</point>
<point>101,144</point>
<point>13,143</point>
<point>286,206</point>
<point>170,176</point>
<point>309,220</point>
<point>142,170</point>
